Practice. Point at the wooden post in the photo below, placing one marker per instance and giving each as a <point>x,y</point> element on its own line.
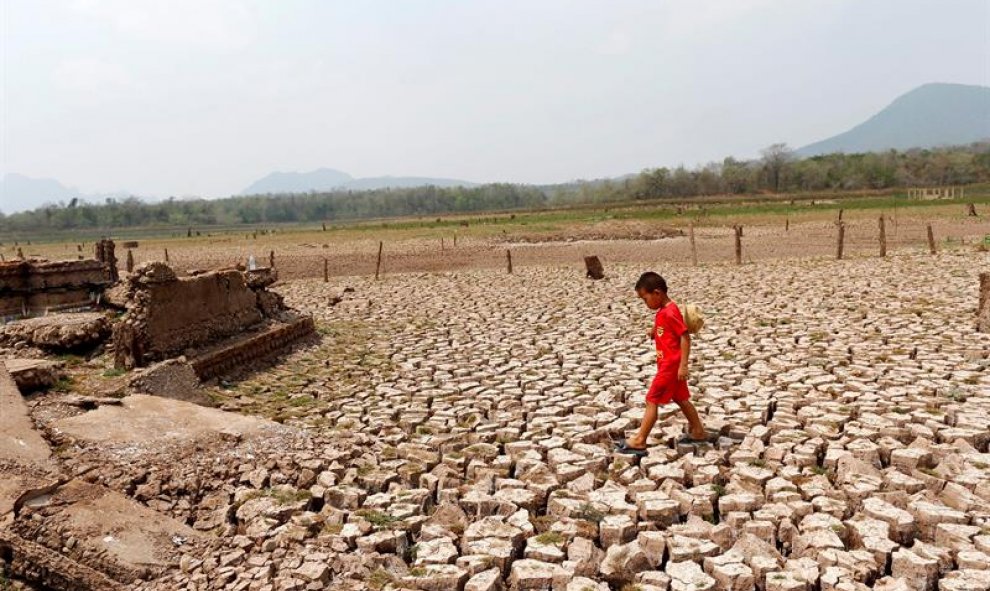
<point>971,210</point>
<point>694,248</point>
<point>787,224</point>
<point>883,237</point>
<point>441,244</point>
<point>166,255</point>
<point>841,227</point>
<point>738,230</point>
<point>130,260</point>
<point>326,270</point>
<point>324,226</point>
<point>983,310</point>
<point>455,239</point>
<point>508,258</point>
<point>840,214</point>
<point>271,259</point>
<point>594,267</point>
<point>189,233</point>
<point>20,253</point>
<point>378,265</point>
<point>931,240</point>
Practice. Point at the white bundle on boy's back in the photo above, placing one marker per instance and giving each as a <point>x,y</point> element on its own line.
<point>694,319</point>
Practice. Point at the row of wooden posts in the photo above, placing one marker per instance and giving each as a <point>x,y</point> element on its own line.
<point>737,233</point>
<point>840,239</point>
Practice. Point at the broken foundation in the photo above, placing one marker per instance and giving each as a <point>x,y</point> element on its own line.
<point>33,287</point>
<point>218,320</point>
<point>67,534</point>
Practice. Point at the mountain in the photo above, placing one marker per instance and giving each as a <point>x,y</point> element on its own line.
<point>929,116</point>
<point>326,179</point>
<point>402,182</point>
<point>19,192</point>
<point>321,179</point>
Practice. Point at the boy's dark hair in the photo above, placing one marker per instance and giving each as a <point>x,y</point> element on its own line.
<point>651,281</point>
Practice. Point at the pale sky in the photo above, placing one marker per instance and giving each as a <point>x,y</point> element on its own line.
<point>203,97</point>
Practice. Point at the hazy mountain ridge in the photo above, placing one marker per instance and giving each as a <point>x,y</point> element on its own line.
<point>327,179</point>
<point>929,116</point>
<point>19,192</point>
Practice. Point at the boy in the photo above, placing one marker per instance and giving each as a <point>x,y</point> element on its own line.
<point>673,349</point>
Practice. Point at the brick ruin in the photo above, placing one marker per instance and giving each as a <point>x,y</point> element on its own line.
<point>32,287</point>
<point>72,534</point>
<point>218,319</point>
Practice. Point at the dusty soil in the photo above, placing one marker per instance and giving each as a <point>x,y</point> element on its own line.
<point>353,251</point>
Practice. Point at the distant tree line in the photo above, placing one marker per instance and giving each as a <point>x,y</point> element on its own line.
<point>778,171</point>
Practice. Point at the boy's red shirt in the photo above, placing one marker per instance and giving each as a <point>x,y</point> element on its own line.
<point>667,331</point>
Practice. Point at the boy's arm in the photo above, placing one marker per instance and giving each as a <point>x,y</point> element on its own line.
<point>682,371</point>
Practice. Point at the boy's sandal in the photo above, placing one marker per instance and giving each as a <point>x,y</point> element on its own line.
<point>687,439</point>
<point>624,448</point>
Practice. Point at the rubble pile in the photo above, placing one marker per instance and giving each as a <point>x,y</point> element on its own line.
<point>57,332</point>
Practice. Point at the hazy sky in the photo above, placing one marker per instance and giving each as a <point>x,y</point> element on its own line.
<point>202,97</point>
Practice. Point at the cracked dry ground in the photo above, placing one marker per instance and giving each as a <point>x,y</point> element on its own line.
<point>455,432</point>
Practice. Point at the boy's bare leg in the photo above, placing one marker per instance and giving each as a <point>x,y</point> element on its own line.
<point>695,429</point>
<point>649,419</point>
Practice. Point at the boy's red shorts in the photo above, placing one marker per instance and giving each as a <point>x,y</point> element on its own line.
<point>666,388</point>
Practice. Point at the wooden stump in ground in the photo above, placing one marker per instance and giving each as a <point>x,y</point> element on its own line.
<point>840,240</point>
<point>271,259</point>
<point>694,248</point>
<point>971,210</point>
<point>378,265</point>
<point>983,312</point>
<point>326,270</point>
<point>931,240</point>
<point>883,237</point>
<point>594,268</point>
<point>508,258</point>
<point>739,233</point>
<point>130,260</point>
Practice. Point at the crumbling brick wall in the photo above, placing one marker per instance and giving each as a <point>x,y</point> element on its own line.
<point>167,315</point>
<point>36,286</point>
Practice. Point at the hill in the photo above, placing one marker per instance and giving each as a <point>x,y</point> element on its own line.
<point>321,179</point>
<point>929,116</point>
<point>327,179</point>
<point>21,193</point>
